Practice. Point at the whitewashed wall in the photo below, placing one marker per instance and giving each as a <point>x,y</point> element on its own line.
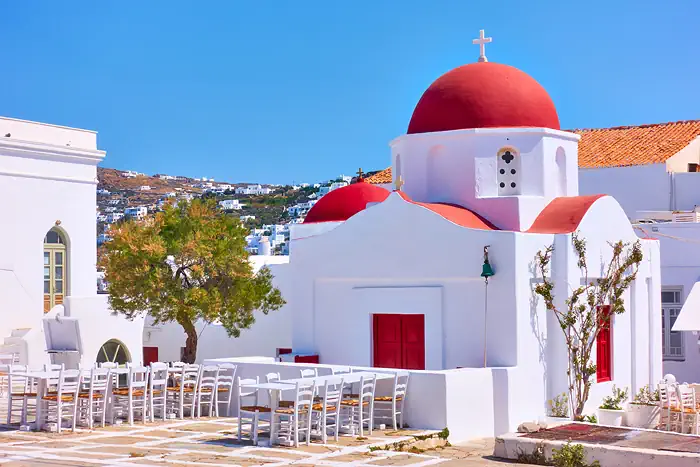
<point>48,177</point>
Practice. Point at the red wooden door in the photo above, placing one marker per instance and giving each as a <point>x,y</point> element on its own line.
<point>604,346</point>
<point>399,341</point>
<point>150,355</point>
<point>413,342</point>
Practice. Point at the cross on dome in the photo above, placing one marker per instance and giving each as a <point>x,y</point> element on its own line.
<point>482,41</point>
<point>360,174</point>
<point>398,183</point>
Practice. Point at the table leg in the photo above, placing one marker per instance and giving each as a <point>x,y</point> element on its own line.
<point>274,398</point>
<point>41,390</point>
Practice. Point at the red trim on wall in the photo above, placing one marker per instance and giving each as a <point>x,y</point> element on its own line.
<point>454,213</point>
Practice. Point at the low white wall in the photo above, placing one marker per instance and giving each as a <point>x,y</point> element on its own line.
<point>471,402</point>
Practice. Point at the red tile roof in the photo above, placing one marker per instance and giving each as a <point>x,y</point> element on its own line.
<point>456,214</point>
<point>563,215</point>
<point>619,146</point>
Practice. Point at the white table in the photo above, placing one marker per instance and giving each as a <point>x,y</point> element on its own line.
<point>44,377</point>
<point>276,387</point>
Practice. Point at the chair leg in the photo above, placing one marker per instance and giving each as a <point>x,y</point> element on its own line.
<point>295,426</point>
<point>255,429</point>
<point>240,424</point>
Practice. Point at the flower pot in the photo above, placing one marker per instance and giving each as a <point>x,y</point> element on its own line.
<point>610,417</point>
<point>642,416</point>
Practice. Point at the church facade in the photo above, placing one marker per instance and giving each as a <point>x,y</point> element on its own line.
<point>485,164</point>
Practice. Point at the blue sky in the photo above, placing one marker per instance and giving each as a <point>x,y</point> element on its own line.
<point>281,91</point>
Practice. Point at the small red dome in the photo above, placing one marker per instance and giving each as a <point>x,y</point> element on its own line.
<point>343,203</point>
<point>483,95</point>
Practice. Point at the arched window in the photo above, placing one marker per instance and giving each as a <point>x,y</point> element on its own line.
<point>113,351</point>
<point>55,267</point>
<point>508,167</point>
<point>398,175</point>
<point>560,160</point>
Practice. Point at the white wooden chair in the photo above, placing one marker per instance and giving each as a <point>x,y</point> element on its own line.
<point>134,397</point>
<point>206,389</point>
<point>19,391</point>
<point>391,407</point>
<point>688,410</point>
<point>328,409</point>
<point>93,396</point>
<point>273,378</point>
<point>63,403</point>
<point>158,390</point>
<point>341,370</point>
<point>249,407</point>
<point>224,387</point>
<point>361,409</point>
<point>309,372</point>
<point>298,417</point>
<point>6,361</point>
<point>668,400</point>
<point>184,393</point>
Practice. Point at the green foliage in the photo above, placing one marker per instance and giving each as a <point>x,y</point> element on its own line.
<point>559,406</point>
<point>571,455</point>
<point>444,433</point>
<point>185,264</point>
<point>536,457</point>
<point>590,418</point>
<point>579,319</point>
<point>645,396</point>
<point>615,401</point>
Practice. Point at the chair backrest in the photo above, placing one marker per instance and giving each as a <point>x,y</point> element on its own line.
<point>367,387</point>
<point>69,382</point>
<point>686,396</point>
<point>308,372</point>
<point>177,364</point>
<point>304,395</point>
<point>7,359</point>
<point>159,376</point>
<point>54,367</point>
<point>208,376</point>
<point>110,365</point>
<point>138,377</point>
<point>333,391</point>
<point>272,377</point>
<point>341,370</point>
<point>98,381</point>
<point>245,391</point>
<point>17,384</point>
<point>190,377</point>
<point>227,375</point>
<point>401,384</point>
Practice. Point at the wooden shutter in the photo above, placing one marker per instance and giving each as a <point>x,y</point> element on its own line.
<point>413,342</point>
<point>604,346</point>
<point>387,341</point>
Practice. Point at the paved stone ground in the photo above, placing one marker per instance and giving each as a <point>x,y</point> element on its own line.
<point>213,442</point>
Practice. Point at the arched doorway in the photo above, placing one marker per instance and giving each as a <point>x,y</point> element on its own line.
<point>113,351</point>
<point>55,269</point>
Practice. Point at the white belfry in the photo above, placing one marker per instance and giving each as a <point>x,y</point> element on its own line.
<point>482,41</point>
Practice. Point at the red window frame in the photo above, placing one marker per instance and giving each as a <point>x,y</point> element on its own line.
<point>604,345</point>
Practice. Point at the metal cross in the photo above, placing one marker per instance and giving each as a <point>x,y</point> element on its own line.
<point>398,183</point>
<point>482,41</point>
<point>360,173</point>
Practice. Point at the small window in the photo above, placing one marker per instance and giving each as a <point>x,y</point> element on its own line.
<point>693,167</point>
<point>508,177</point>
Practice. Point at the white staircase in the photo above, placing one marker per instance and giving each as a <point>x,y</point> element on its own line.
<point>15,343</point>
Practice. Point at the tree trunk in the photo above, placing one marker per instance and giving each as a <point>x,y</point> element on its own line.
<point>189,355</point>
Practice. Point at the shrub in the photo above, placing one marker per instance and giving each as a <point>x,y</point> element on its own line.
<point>615,401</point>
<point>571,455</point>
<point>559,406</point>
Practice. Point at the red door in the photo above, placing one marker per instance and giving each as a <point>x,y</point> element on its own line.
<point>399,341</point>
<point>150,355</point>
<point>604,346</point>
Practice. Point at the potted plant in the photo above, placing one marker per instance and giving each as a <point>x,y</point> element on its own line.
<point>644,411</point>
<point>610,411</point>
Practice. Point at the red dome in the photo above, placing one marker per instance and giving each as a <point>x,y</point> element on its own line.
<point>343,203</point>
<point>483,95</point>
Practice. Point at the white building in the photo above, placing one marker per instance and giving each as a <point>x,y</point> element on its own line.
<point>247,218</point>
<point>136,212</point>
<point>300,209</point>
<point>652,170</point>
<point>324,190</point>
<point>253,190</point>
<point>113,217</point>
<point>145,188</point>
<point>230,205</point>
<point>48,301</point>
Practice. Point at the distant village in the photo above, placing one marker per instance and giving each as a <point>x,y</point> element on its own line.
<point>133,195</point>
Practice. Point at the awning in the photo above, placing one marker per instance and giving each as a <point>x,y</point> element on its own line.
<point>689,318</point>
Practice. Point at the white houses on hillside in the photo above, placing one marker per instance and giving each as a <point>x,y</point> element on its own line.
<point>253,190</point>
<point>230,205</point>
<point>136,212</point>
